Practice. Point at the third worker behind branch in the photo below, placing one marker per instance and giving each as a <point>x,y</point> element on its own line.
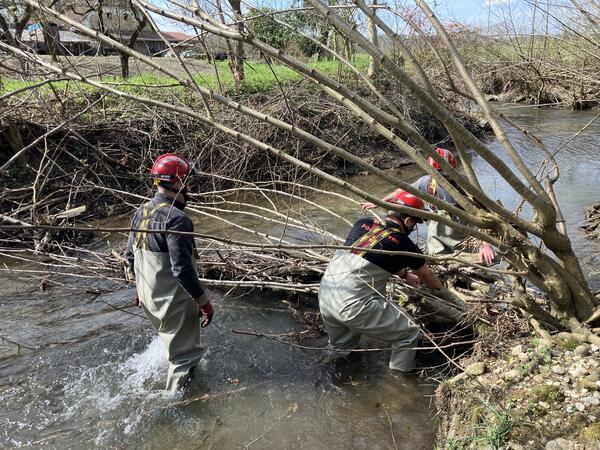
<point>352,293</point>
<point>441,239</point>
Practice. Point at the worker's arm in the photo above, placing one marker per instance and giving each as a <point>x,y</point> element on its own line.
<point>428,277</point>
<point>181,250</point>
<point>129,254</point>
<point>388,198</point>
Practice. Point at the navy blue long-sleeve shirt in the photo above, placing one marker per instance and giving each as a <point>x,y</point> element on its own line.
<point>180,248</point>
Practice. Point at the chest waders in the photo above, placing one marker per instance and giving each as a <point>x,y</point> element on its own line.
<point>352,303</point>
<point>441,239</point>
<point>173,314</point>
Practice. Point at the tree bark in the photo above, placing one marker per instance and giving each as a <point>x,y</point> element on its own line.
<point>373,63</point>
<point>236,60</point>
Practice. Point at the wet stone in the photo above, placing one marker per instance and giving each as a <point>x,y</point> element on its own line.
<point>559,444</point>
<point>593,377</point>
<point>592,401</point>
<point>559,370</point>
<point>511,375</point>
<point>576,372</point>
<point>582,350</point>
<point>475,369</point>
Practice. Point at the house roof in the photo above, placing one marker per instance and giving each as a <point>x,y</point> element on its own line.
<point>65,36</point>
<point>151,35</point>
<point>175,36</point>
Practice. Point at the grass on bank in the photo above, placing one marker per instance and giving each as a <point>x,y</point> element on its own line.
<point>259,77</point>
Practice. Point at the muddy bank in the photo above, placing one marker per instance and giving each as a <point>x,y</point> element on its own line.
<point>536,86</point>
<point>110,149</point>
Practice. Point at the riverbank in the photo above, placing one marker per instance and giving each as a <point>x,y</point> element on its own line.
<point>126,128</point>
<point>109,149</point>
<point>521,391</point>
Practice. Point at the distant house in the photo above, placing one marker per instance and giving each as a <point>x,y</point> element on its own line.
<point>69,42</point>
<point>113,17</point>
<point>116,19</point>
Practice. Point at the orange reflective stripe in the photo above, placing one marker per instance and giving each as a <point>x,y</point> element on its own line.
<point>374,236</point>
<point>375,228</point>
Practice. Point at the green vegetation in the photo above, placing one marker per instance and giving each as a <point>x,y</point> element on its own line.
<point>592,432</point>
<point>260,77</point>
<point>545,393</point>
<point>488,426</point>
<point>569,344</point>
<point>267,30</point>
<point>496,430</point>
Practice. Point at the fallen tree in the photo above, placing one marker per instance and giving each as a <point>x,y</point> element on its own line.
<point>555,270</point>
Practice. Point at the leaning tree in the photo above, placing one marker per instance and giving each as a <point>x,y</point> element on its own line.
<point>553,268</point>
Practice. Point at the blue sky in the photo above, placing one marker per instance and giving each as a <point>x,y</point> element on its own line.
<point>459,9</point>
<point>472,11</point>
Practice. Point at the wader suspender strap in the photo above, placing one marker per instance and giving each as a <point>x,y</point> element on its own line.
<point>374,236</point>
<point>140,237</point>
<point>432,186</point>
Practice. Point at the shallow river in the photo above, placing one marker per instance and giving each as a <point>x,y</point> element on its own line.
<point>96,381</point>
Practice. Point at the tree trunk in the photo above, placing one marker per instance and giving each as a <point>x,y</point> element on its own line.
<point>236,60</point>
<point>52,39</point>
<point>373,63</point>
<point>124,65</point>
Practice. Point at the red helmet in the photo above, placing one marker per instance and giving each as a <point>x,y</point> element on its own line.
<point>407,199</point>
<point>170,167</point>
<point>444,153</point>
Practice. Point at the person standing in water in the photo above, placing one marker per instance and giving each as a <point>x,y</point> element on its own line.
<point>352,293</point>
<point>165,273</point>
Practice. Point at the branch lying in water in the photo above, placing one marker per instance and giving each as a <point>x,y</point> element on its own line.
<point>276,338</point>
<point>260,246</point>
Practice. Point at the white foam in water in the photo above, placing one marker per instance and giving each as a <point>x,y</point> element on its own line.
<point>107,387</point>
<point>150,365</point>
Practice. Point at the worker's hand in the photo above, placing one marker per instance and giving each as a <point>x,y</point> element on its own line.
<point>136,300</point>
<point>206,312</point>
<point>412,280</point>
<point>368,205</point>
<point>486,254</point>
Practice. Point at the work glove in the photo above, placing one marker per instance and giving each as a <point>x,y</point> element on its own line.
<point>206,312</point>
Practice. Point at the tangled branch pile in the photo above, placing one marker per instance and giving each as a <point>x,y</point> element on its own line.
<point>592,223</point>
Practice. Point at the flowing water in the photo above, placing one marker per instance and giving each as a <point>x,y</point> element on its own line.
<point>96,380</point>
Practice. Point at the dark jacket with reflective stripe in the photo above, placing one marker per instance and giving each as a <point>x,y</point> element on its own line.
<point>164,213</point>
